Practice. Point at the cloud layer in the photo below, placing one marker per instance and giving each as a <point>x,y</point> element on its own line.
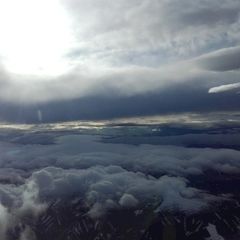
<point>39,167</point>
<point>131,54</point>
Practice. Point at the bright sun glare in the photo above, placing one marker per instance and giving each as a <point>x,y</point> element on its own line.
<point>35,35</point>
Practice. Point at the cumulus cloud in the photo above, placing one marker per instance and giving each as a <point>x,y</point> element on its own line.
<point>105,176</point>
<point>19,208</point>
<point>119,178</point>
<point>103,188</point>
<point>128,201</point>
<point>100,188</point>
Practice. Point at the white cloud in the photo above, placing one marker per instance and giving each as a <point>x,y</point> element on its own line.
<point>114,187</point>
<point>4,221</point>
<point>101,189</point>
<point>18,206</point>
<point>128,201</point>
<point>225,88</point>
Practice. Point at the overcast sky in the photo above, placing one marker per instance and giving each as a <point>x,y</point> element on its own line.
<point>78,59</point>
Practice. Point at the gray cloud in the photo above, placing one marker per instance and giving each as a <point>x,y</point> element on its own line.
<point>130,53</point>
<point>101,188</point>
<point>105,175</point>
<point>210,16</point>
<point>179,28</point>
<point>118,93</point>
<point>98,185</point>
<point>76,151</point>
<point>222,60</point>
<point>129,58</point>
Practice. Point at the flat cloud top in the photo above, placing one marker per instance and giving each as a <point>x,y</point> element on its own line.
<point>106,176</point>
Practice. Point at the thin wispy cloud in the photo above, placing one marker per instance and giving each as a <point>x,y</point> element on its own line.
<point>225,88</point>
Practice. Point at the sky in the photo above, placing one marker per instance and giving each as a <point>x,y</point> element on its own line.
<point>161,76</point>
<point>64,60</point>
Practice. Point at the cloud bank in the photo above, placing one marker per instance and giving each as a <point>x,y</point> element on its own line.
<point>104,176</point>
<point>149,51</point>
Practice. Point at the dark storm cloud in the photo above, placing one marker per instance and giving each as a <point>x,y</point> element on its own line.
<point>135,58</point>
<point>177,99</point>
<point>129,92</point>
